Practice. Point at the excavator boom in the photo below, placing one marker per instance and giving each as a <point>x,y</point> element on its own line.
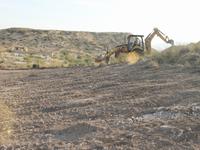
<point>116,50</point>
<point>160,34</point>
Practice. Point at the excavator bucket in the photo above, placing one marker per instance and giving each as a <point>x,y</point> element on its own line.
<point>171,42</point>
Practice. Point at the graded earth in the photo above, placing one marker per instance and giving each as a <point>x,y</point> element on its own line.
<point>119,106</point>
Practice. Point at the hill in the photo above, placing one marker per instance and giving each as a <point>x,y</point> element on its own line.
<point>21,47</point>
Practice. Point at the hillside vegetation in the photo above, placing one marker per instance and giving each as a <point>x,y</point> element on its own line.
<point>27,48</point>
<point>22,48</point>
<point>186,55</point>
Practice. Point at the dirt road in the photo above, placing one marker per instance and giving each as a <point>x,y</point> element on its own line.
<point>112,107</point>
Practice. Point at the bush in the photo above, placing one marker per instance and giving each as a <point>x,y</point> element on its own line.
<point>35,66</point>
<point>189,54</point>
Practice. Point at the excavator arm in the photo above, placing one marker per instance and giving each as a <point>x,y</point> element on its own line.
<point>150,37</point>
<point>116,50</point>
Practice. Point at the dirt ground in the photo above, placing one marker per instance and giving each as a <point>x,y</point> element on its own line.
<point>111,107</point>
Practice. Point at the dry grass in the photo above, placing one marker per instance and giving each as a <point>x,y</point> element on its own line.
<point>186,55</point>
<point>6,117</point>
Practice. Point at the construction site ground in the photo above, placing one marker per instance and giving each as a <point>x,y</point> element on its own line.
<point>117,106</point>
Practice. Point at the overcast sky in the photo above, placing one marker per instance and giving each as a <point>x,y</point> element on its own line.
<point>179,19</point>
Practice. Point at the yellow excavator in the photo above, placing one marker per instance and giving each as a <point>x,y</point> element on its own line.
<point>135,43</point>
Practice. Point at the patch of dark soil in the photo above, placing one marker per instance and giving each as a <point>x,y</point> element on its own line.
<point>74,132</point>
<point>62,107</point>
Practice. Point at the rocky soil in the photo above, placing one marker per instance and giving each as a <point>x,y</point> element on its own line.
<point>111,107</point>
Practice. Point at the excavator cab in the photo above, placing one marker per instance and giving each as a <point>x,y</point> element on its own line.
<point>136,43</point>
